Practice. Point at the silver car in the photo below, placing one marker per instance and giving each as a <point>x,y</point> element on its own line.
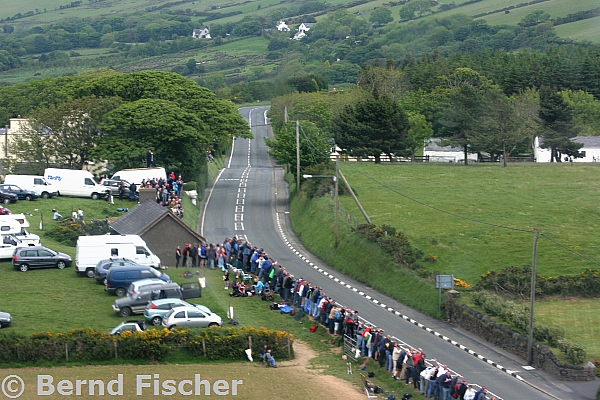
<point>157,309</point>
<point>5,319</point>
<point>190,317</point>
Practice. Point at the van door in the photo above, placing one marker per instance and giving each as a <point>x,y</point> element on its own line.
<point>191,290</point>
<point>142,255</point>
<point>88,187</point>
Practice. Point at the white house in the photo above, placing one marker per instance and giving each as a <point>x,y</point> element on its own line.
<point>302,29</point>
<point>590,149</point>
<point>438,153</point>
<point>282,27</point>
<point>203,33</point>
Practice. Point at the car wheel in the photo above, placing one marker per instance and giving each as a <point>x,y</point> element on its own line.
<point>45,195</point>
<point>61,264</point>
<point>90,273</point>
<point>213,324</point>
<point>120,292</point>
<point>23,267</point>
<point>28,197</point>
<point>125,312</point>
<point>156,321</point>
<point>172,327</point>
<point>1,325</point>
<point>6,201</point>
<point>95,196</point>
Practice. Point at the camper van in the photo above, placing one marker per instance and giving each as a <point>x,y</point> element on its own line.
<point>137,175</point>
<point>91,249</point>
<point>71,182</point>
<point>10,229</point>
<point>24,234</point>
<point>33,183</point>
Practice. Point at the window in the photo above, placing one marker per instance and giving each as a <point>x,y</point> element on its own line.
<point>195,314</point>
<point>140,250</point>
<point>5,228</point>
<point>114,252</point>
<point>88,181</point>
<point>147,274</point>
<point>166,306</point>
<point>37,181</point>
<point>44,253</point>
<point>180,314</point>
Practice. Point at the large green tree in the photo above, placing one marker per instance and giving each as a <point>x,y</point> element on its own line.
<point>557,128</point>
<point>372,126</point>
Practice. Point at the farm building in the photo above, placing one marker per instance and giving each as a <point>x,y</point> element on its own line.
<point>590,149</point>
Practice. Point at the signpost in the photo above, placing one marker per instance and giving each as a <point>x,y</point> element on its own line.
<point>443,282</point>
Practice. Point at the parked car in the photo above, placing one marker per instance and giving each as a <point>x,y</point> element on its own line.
<point>132,326</point>
<point>156,309</point>
<point>25,258</point>
<point>118,279</point>
<point>113,185</point>
<point>104,265</point>
<point>5,319</point>
<point>7,197</point>
<point>190,317</point>
<point>135,303</point>
<point>21,194</point>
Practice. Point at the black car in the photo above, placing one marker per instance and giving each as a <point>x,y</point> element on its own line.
<point>25,258</point>
<point>104,265</point>
<point>7,197</point>
<point>21,194</point>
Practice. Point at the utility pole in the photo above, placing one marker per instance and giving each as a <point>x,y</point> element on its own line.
<point>297,156</point>
<point>360,207</point>
<point>530,339</point>
<point>335,200</point>
<point>285,114</point>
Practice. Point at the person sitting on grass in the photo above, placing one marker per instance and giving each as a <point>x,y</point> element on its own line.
<point>270,360</point>
<point>262,353</point>
<point>56,216</point>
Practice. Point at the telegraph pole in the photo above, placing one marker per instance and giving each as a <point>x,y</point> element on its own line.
<point>335,200</point>
<point>297,156</point>
<point>530,339</point>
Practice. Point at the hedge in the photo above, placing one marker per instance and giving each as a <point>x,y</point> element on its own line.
<point>90,345</point>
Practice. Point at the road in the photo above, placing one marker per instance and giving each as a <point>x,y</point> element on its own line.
<point>249,199</point>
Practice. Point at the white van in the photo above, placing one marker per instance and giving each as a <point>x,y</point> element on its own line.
<point>33,183</point>
<point>71,182</point>
<point>10,229</point>
<point>137,175</point>
<point>24,234</point>
<point>91,249</point>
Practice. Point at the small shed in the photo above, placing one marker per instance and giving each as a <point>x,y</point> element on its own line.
<point>590,149</point>
<point>439,153</point>
<point>162,230</point>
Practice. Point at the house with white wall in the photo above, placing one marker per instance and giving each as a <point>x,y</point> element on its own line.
<point>590,149</point>
<point>203,33</point>
<point>283,27</point>
<point>438,153</point>
<point>302,29</point>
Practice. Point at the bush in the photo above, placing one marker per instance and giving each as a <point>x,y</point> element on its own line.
<point>555,333</point>
<point>190,186</point>
<point>69,230</point>
<point>574,352</point>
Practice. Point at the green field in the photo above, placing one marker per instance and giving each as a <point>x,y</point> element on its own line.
<point>588,29</point>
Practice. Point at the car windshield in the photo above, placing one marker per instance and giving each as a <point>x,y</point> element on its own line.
<point>156,273</point>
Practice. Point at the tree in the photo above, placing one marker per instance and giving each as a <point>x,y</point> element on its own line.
<point>535,18</point>
<point>174,133</point>
<point>314,148</point>
<point>68,131</point>
<point>381,16</point>
<point>389,81</point>
<point>373,125</point>
<point>499,129</point>
<point>459,116</point>
<point>418,131</point>
<point>557,127</point>
<point>586,111</point>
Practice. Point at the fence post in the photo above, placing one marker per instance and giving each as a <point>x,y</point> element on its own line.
<point>289,345</point>
<point>204,347</point>
<point>250,343</point>
<point>116,355</point>
<point>67,352</point>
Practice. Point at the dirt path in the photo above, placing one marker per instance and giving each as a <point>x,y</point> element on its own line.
<point>325,386</point>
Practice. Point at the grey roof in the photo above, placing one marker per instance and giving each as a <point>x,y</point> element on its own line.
<point>137,219</point>
<point>433,144</point>
<point>142,217</point>
<point>588,141</point>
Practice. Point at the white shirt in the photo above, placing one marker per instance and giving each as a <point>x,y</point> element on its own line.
<point>426,372</point>
<point>470,394</point>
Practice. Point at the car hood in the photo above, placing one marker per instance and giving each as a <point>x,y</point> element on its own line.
<point>65,256</point>
<point>124,301</point>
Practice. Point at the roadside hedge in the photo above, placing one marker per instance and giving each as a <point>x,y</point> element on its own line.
<point>153,345</point>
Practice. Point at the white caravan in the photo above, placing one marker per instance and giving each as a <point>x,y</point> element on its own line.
<point>137,175</point>
<point>71,182</point>
<point>91,249</point>
<point>33,183</point>
<point>10,229</point>
<point>24,234</point>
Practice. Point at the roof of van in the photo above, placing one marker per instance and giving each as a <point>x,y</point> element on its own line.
<point>109,239</point>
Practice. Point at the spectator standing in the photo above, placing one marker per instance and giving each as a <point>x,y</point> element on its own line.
<point>149,159</point>
<point>177,256</point>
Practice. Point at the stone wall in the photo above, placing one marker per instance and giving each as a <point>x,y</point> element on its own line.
<point>504,337</point>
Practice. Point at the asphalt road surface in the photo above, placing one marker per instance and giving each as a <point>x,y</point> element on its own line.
<point>249,200</point>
